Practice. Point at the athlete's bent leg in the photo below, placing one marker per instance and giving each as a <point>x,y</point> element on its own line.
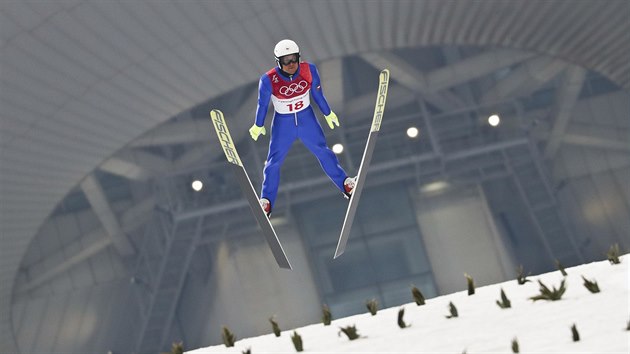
<point>282,136</point>
<point>312,135</point>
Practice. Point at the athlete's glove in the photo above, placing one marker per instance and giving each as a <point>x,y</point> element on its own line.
<point>255,131</point>
<point>332,120</point>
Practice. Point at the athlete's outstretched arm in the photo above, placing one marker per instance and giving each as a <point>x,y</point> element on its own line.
<point>264,94</point>
<point>318,94</point>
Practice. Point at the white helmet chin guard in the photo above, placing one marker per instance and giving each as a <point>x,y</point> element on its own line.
<point>285,47</point>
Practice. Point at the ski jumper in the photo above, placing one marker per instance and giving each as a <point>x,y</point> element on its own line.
<point>294,119</point>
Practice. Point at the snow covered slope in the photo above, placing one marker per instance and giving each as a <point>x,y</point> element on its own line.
<point>482,326</point>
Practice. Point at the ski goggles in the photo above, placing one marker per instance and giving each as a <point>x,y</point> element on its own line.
<point>289,59</point>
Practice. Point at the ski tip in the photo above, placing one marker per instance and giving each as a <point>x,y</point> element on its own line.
<point>286,266</point>
<point>385,72</point>
<point>337,254</point>
<point>283,262</point>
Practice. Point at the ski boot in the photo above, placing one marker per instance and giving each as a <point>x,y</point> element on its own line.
<point>348,185</point>
<point>266,206</point>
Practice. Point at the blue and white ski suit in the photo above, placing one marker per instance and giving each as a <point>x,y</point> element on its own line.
<point>294,119</point>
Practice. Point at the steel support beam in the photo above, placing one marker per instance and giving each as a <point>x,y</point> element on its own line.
<point>567,97</point>
<point>596,142</point>
<point>133,218</point>
<point>363,106</point>
<point>124,168</point>
<point>473,67</point>
<point>103,241</point>
<point>184,130</point>
<point>528,77</point>
<point>100,205</point>
<point>410,77</point>
<point>591,135</point>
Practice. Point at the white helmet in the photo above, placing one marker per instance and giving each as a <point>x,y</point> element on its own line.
<point>285,47</point>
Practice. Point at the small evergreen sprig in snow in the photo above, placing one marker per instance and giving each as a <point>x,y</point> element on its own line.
<point>228,337</point>
<point>274,326</point>
<point>591,285</point>
<point>546,294</point>
<point>561,268</point>
<point>326,315</point>
<point>471,284</point>
<point>350,332</point>
<point>505,302</point>
<point>417,296</point>
<point>372,306</point>
<point>613,254</point>
<point>575,334</point>
<point>401,321</point>
<point>515,348</point>
<point>297,341</point>
<point>453,310</point>
<point>521,278</point>
<point>177,348</point>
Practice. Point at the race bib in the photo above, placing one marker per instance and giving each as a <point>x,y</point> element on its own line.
<point>293,96</point>
<point>293,104</point>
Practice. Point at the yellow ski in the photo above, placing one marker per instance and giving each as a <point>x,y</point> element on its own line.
<point>246,186</point>
<point>379,108</point>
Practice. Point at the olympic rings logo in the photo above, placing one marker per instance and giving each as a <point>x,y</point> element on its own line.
<point>294,88</point>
